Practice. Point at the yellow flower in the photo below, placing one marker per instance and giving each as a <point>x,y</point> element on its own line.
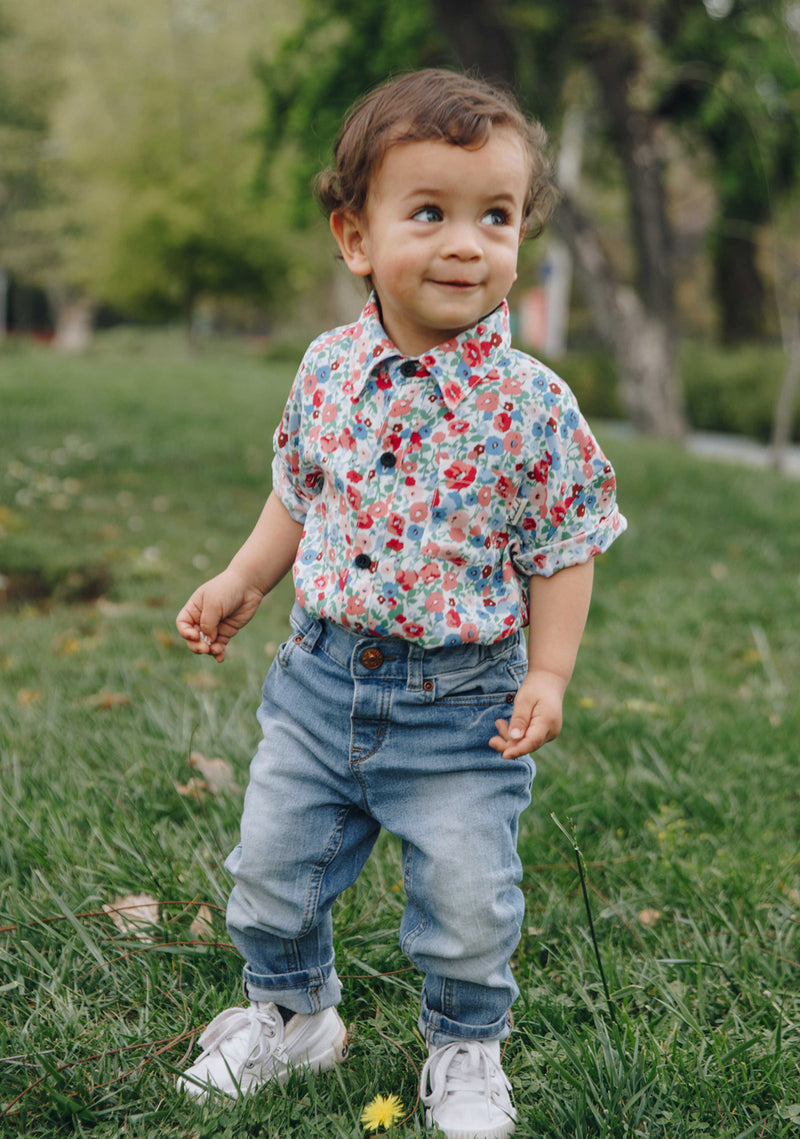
<point>382,1112</point>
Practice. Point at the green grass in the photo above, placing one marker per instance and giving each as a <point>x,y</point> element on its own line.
<point>124,481</point>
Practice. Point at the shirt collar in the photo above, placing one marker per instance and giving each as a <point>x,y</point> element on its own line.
<point>459,365</point>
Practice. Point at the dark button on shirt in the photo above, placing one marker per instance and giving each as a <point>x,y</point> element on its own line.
<point>388,459</point>
<point>409,368</point>
<point>363,561</point>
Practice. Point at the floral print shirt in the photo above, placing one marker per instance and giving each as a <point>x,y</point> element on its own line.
<point>431,489</point>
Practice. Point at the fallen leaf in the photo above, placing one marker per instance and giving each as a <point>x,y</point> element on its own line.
<point>217,773</point>
<point>26,697</point>
<point>165,639</point>
<point>194,789</point>
<point>134,914</point>
<point>67,646</point>
<point>649,918</point>
<point>200,681</point>
<point>202,927</point>
<point>107,700</point>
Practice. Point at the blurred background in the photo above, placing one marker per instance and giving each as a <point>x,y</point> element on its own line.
<point>156,159</point>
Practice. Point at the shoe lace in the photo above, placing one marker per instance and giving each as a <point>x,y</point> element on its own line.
<point>259,1028</point>
<point>458,1068</point>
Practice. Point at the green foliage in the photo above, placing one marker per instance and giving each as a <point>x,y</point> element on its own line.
<point>677,768</point>
<point>736,78</point>
<point>733,390</point>
<point>179,243</point>
<point>27,89</point>
<point>730,390</point>
<point>145,155</point>
<point>341,50</point>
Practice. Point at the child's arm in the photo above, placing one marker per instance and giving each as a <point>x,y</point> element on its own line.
<point>222,606</point>
<point>559,606</point>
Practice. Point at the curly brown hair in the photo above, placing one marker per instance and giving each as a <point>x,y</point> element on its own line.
<point>431,104</point>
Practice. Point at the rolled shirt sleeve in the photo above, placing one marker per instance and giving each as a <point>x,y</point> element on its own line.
<point>567,507</point>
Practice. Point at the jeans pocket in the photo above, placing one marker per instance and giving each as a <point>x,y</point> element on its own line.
<point>492,682</point>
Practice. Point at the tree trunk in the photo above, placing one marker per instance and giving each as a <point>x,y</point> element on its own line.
<point>73,317</point>
<point>643,326</point>
<point>739,288</point>
<point>643,345</point>
<point>787,296</point>
<point>479,35</point>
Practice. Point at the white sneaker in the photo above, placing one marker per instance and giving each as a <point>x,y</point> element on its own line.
<point>244,1048</point>
<point>469,1096</point>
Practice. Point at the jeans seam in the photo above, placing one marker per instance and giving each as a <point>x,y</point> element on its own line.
<point>318,872</point>
<point>421,925</point>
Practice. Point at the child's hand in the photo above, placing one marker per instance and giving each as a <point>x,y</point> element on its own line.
<point>536,717</point>
<point>216,612</point>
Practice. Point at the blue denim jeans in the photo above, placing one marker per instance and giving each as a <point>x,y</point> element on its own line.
<point>361,733</point>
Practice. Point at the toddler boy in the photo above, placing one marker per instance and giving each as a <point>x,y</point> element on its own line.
<point>434,491</point>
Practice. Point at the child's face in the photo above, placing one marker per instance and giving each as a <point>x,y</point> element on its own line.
<point>439,235</point>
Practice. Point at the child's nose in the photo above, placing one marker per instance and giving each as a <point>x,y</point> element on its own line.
<point>461,240</point>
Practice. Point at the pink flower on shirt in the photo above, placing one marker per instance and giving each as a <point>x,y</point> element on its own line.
<point>487,401</point>
<point>434,603</point>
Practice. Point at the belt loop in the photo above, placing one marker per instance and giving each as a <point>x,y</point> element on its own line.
<point>416,655</point>
<point>313,634</point>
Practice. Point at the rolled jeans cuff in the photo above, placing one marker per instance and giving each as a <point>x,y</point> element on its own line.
<point>439,1029</point>
<point>307,991</point>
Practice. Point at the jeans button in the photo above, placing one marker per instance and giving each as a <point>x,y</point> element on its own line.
<point>371,658</point>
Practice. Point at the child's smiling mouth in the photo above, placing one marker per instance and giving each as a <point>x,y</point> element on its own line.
<point>458,284</point>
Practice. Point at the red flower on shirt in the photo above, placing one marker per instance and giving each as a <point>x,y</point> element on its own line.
<point>460,475</point>
<point>472,354</point>
<point>411,629</point>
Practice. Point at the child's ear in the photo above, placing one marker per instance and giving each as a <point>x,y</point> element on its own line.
<point>349,232</point>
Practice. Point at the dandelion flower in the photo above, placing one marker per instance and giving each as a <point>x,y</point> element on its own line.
<point>382,1112</point>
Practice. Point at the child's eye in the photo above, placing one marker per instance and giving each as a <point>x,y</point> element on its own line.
<point>496,217</point>
<point>427,213</point>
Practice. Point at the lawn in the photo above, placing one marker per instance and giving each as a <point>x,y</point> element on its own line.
<point>124,480</point>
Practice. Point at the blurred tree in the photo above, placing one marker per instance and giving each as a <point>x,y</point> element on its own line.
<point>734,85</point>
<point>150,155</point>
<point>340,49</point>
<point>26,92</point>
